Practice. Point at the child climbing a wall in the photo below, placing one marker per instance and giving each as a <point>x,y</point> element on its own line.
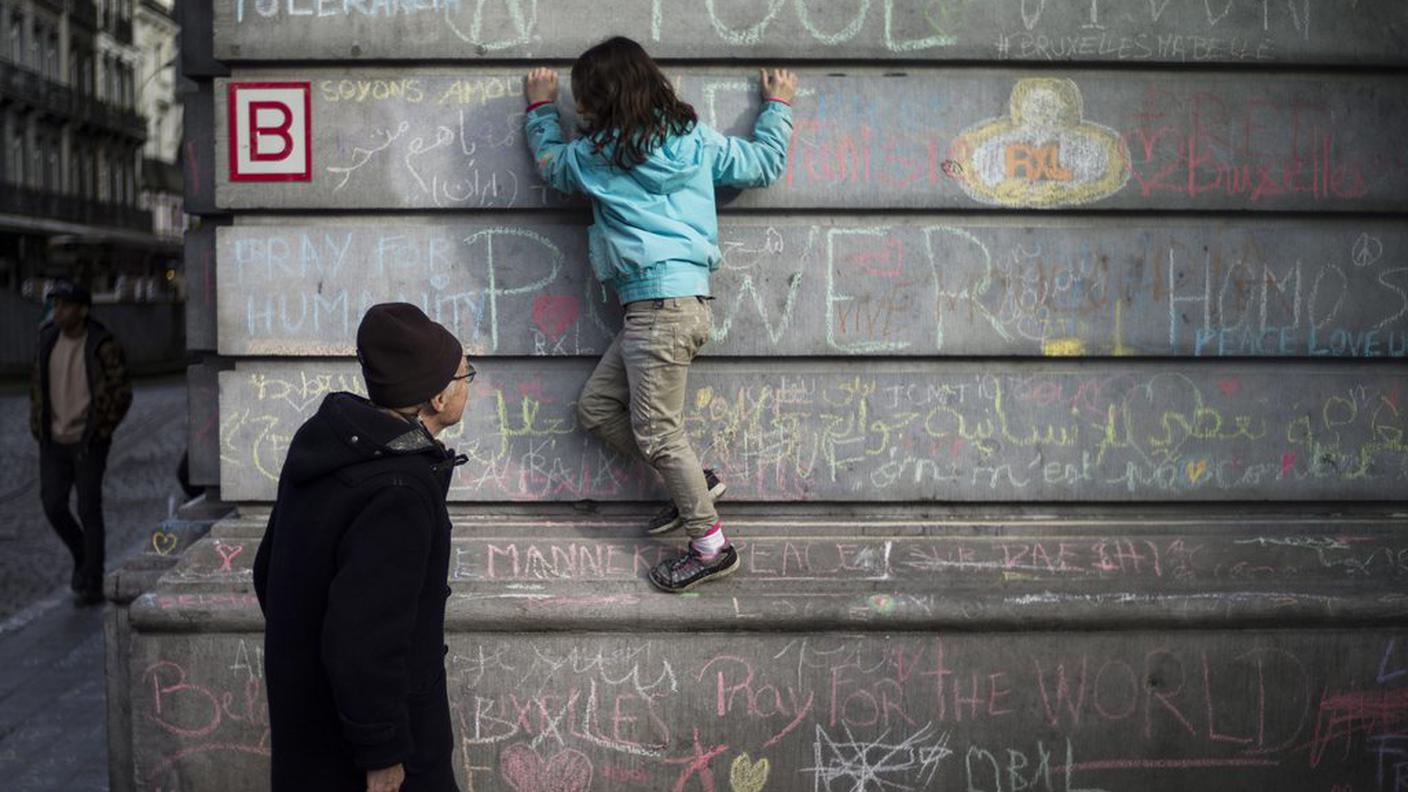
<point>650,168</point>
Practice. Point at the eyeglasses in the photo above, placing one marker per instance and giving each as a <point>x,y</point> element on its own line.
<point>467,376</point>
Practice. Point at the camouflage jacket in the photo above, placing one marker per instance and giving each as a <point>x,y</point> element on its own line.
<point>109,388</point>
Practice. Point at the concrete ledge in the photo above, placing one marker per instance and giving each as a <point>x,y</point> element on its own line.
<point>1059,711</point>
<point>426,138</point>
<point>832,285</point>
<point>590,575</point>
<point>1124,31</point>
<point>637,608</point>
<point>1072,651</point>
<point>784,430</point>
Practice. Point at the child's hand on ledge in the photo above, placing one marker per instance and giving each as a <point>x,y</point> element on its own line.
<point>540,86</point>
<point>779,84</point>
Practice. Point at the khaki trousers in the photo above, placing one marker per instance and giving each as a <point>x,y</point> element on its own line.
<point>634,400</point>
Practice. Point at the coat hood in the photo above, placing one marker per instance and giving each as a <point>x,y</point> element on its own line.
<point>349,430</point>
<point>671,165</point>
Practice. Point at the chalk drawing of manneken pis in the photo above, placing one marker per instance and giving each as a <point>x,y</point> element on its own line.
<point>1043,153</point>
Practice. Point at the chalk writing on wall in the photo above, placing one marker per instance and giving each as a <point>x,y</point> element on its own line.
<point>901,432</point>
<point>1260,709</point>
<point>1303,557</point>
<point>422,139</point>
<point>1044,153</point>
<point>1268,289</point>
<point>1270,552</point>
<point>1030,30</point>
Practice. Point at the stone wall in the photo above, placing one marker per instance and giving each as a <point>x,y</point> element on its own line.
<point>1058,384</point>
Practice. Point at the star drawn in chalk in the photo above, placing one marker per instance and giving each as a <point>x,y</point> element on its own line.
<point>877,764</point>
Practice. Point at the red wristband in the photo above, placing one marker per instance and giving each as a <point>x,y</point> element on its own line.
<point>783,101</point>
<point>536,105</point>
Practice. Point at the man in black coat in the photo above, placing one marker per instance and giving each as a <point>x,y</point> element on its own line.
<point>78,394</point>
<point>351,574</point>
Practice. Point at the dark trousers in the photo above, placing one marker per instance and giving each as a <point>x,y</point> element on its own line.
<point>62,466</point>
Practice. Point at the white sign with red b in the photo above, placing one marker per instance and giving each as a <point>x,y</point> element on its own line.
<point>270,131</point>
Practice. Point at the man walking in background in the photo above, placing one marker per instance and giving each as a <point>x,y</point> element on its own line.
<point>79,393</point>
<point>351,574</point>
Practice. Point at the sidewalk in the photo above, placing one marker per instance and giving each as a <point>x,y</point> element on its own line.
<point>53,717</point>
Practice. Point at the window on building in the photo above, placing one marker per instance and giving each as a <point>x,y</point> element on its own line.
<point>16,158</point>
<point>163,111</point>
<point>51,57</point>
<point>56,173</point>
<point>36,164</point>
<point>17,39</point>
<point>86,188</point>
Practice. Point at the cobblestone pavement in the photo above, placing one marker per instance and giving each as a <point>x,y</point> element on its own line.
<point>53,727</point>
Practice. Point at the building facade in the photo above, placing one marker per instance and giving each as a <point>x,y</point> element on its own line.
<point>160,188</point>
<point>74,85</point>
<point>89,184</point>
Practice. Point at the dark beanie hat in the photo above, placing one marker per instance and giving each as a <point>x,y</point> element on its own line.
<point>66,289</point>
<point>406,358</point>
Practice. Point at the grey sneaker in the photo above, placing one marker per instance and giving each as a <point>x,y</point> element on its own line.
<point>689,570</point>
<point>668,518</point>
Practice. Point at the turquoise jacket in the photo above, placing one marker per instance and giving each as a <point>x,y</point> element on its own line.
<point>655,232</point>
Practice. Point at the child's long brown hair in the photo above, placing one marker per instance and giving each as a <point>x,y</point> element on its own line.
<point>628,101</point>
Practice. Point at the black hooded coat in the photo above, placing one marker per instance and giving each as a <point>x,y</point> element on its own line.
<point>351,576</point>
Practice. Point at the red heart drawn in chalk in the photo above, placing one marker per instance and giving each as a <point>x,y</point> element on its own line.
<point>554,313</point>
<point>228,553</point>
<point>524,770</point>
<point>1229,387</point>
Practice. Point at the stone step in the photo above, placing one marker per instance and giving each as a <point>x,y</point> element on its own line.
<point>856,574</point>
<point>1161,651</point>
<point>628,520</point>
